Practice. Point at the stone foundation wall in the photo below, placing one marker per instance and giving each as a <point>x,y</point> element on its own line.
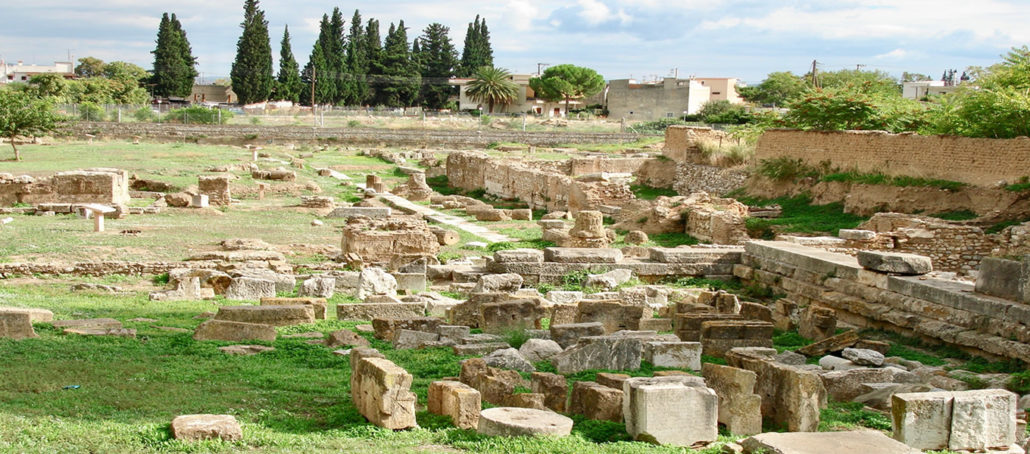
<point>584,166</point>
<point>680,142</point>
<point>951,247</point>
<point>936,310</point>
<point>104,186</point>
<point>981,162</point>
<point>691,178</point>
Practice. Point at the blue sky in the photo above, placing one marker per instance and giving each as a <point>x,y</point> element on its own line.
<point>620,38</point>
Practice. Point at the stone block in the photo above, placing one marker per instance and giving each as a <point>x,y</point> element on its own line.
<point>611,380</point>
<point>667,411</point>
<point>371,311</point>
<point>410,283</point>
<point>16,325</point>
<point>895,262</point>
<point>35,315</point>
<point>457,400</point>
<point>818,323</point>
<point>247,288</point>
<point>525,400</point>
<point>756,311</point>
<point>740,409</point>
<point>510,315</point>
<point>688,325</point>
<point>519,256</point>
<point>268,315</point>
<point>523,422</point>
<point>582,255</point>
<point>452,334</point>
<point>383,392</point>
<point>721,336</point>
<point>830,345</point>
<point>478,349</point>
<point>368,212</point>
<point>922,420</point>
<point>404,339</point>
<point>564,296</point>
<point>375,281</point>
<point>318,305</point>
<point>539,349</point>
<point>510,359</point>
<point>851,442</point>
<point>553,387</point>
<point>613,315</point>
<point>206,427</point>
<point>567,335</point>
<point>790,396</point>
<point>845,385</point>
<point>982,419</point>
<point>1001,277</point>
<point>656,324</point>
<point>608,352</point>
<point>679,355</point>
<point>386,328</point>
<point>596,401</point>
<point>318,287</point>
<point>563,314</point>
<point>233,331</point>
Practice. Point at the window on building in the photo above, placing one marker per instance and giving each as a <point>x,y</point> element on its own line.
<point>716,92</point>
<point>669,115</point>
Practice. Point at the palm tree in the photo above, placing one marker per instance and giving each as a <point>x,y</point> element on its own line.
<point>492,86</point>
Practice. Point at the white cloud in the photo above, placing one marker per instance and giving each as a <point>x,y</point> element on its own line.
<point>896,54</point>
<point>521,14</point>
<point>593,11</point>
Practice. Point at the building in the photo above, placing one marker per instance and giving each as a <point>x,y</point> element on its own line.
<point>212,94</point>
<point>669,98</point>
<point>924,88</point>
<point>722,88</point>
<point>526,100</point>
<point>21,72</point>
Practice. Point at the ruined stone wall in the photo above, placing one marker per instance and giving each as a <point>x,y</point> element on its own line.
<point>584,166</point>
<point>937,310</point>
<point>105,186</point>
<point>981,162</point>
<point>510,180</point>
<point>951,247</point>
<point>691,178</point>
<point>681,142</point>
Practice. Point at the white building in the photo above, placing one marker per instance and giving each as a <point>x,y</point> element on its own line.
<point>21,72</point>
<point>922,89</point>
<point>525,102</point>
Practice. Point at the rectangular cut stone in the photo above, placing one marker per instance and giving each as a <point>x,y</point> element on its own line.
<point>611,353</point>
<point>16,325</point>
<point>384,394</point>
<point>596,401</point>
<point>455,399</point>
<point>88,323</point>
<point>582,255</point>
<point>1000,277</point>
<point>740,409</point>
<point>519,256</point>
<point>227,330</point>
<point>669,412</point>
<point>611,380</point>
<point>922,420</point>
<point>982,419</point>
<point>614,315</point>
<point>268,315</point>
<point>790,396</point>
<point>566,335</point>
<point>510,315</point>
<point>696,255</point>
<point>554,388</point>
<point>656,324</point>
<point>368,212</point>
<point>688,325</point>
<point>478,349</point>
<point>318,305</point>
<point>386,328</point>
<point>36,315</point>
<point>370,311</point>
<point>721,336</point>
<point>847,442</point>
<point>679,355</point>
<point>410,282</point>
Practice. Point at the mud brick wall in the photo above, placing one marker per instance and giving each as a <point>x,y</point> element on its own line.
<point>680,142</point>
<point>980,162</point>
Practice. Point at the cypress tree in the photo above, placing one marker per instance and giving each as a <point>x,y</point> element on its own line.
<point>174,69</point>
<point>288,84</point>
<point>401,78</point>
<point>357,63</point>
<point>486,52</point>
<point>187,64</point>
<point>317,65</point>
<point>252,70</point>
<point>437,61</point>
<point>336,61</point>
<point>477,51</point>
<point>374,56</point>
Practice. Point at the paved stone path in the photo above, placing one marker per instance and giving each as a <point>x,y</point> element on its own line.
<point>430,214</point>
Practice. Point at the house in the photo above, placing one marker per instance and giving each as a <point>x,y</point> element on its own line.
<point>22,72</point>
<point>668,98</point>
<point>526,100</point>
<point>722,88</point>
<point>924,88</point>
<point>212,94</point>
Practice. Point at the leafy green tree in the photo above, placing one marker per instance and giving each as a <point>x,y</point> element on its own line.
<point>778,89</point>
<point>477,51</point>
<point>124,71</point>
<point>724,112</point>
<point>89,67</point>
<point>437,61</point>
<point>914,77</point>
<point>853,107</point>
<point>288,85</point>
<point>48,85</point>
<point>398,87</point>
<point>316,71</point>
<point>251,72</point>
<point>875,83</point>
<point>357,62</point>
<point>567,82</point>
<point>22,114</point>
<point>492,86</point>
<point>174,65</point>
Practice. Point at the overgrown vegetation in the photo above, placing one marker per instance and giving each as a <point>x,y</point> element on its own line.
<point>800,215</point>
<point>644,192</point>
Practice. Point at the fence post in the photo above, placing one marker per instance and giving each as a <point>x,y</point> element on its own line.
<point>219,116</point>
<point>119,114</point>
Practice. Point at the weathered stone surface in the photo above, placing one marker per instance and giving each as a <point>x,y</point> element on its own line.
<point>553,387</point>
<point>982,419</point>
<point>233,331</point>
<point>519,256</point>
<point>246,288</point>
<point>845,385</point>
<point>922,420</point>
<point>612,353</point>
<point>245,350</point>
<point>457,400</point>
<point>817,323</point>
<point>721,336</point>
<point>611,380</point>
<point>511,315</point>
<point>375,281</point>
<point>345,337</point>
<point>452,334</point>
<point>790,396</point>
<point>588,232</point>
<point>206,427</point>
<point>830,345</point>
<point>35,315</point>
<point>582,255</point>
<point>382,391</point>
<point>880,397</point>
<point>564,296</point>
<point>863,357</point>
<point>112,332</point>
<point>895,262</point>
<point>851,442</point>
<point>318,305</point>
<point>568,334</point>
<point>517,422</point>
<point>614,315</point>
<point>740,409</point>
<point>284,283</point>
<point>16,325</point>
<point>526,400</point>
<point>268,315</point>
<point>539,349</point>
<point>478,349</point>
<point>379,241</point>
<point>679,355</point>
<point>407,339</point>
<point>509,358</point>
<point>371,311</point>
<point>386,328</point>
<point>654,410</point>
<point>609,280</point>
<point>790,358</point>
<point>503,283</point>
<point>319,287</point>
<point>494,384</point>
<point>596,401</point>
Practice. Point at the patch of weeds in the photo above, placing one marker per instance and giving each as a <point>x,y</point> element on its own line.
<point>789,340</point>
<point>644,192</point>
<point>997,228</point>
<point>851,415</point>
<point>914,355</point>
<point>711,284</point>
<point>515,337</point>
<point>800,216</point>
<point>672,239</point>
<point>962,215</point>
<point>786,169</point>
<point>544,288</point>
<point>452,295</point>
<point>445,257</point>
<point>160,279</point>
<point>1020,383</point>
<point>713,360</point>
<point>758,291</point>
<point>440,184</point>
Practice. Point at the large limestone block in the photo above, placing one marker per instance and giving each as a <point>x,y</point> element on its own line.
<point>679,355</point>
<point>247,288</point>
<point>386,328</point>
<point>372,311</point>
<point>511,315</point>
<point>567,335</point>
<point>457,400</point>
<point>844,385</point>
<point>384,394</point>
<point>611,353</point>
<point>614,315</point>
<point>539,349</point>
<point>922,420</point>
<point>519,256</point>
<point>503,283</point>
<point>740,409</point>
<point>790,396</point>
<point>233,331</point>
<point>318,305</point>
<point>375,281</point>
<point>517,422</point>
<point>509,358</point>
<point>554,388</point>
<point>983,419</point>
<point>670,412</point>
<point>206,427</point>
<point>851,442</point>
<point>596,401</point>
<point>36,315</point>
<point>268,315</point>
<point>16,325</point>
<point>319,287</point>
<point>895,262</point>
<point>582,255</point>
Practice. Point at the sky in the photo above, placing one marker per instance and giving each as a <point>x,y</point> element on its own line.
<point>640,39</point>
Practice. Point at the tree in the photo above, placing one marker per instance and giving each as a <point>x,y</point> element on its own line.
<point>854,107</point>
<point>914,77</point>
<point>876,83</point>
<point>48,85</point>
<point>778,89</point>
<point>22,114</point>
<point>89,67</point>
<point>477,51</point>
<point>288,85</point>
<point>124,71</point>
<point>492,86</point>
<point>374,56</point>
<point>335,58</point>
<point>437,61</point>
<point>724,112</point>
<point>174,65</point>
<point>251,72</point>
<point>398,87</point>
<point>357,62</point>
<point>567,82</point>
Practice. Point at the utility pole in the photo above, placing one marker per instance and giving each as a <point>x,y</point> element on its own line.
<point>859,67</point>
<point>540,67</point>
<point>815,76</point>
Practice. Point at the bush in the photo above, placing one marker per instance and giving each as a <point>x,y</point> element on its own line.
<point>657,126</point>
<point>723,112</point>
<point>198,115</point>
<point>786,169</point>
<point>144,114</point>
<point>91,112</point>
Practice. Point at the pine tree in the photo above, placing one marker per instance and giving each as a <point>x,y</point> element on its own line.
<point>318,68</point>
<point>174,65</point>
<point>401,80</point>
<point>357,63</point>
<point>373,56</point>
<point>477,51</point>
<point>288,85</point>
<point>486,52</point>
<point>252,70</point>
<point>335,57</point>
<point>437,61</point>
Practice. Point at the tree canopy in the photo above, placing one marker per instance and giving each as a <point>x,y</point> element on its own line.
<point>437,60</point>
<point>399,84</point>
<point>477,51</point>
<point>778,89</point>
<point>567,82</point>
<point>288,85</point>
<point>22,114</point>
<point>174,65</point>
<point>252,69</point>
<point>492,86</point>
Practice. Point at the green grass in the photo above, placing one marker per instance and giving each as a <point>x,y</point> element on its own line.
<point>997,228</point>
<point>963,215</point>
<point>800,216</point>
<point>851,416</point>
<point>644,192</point>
